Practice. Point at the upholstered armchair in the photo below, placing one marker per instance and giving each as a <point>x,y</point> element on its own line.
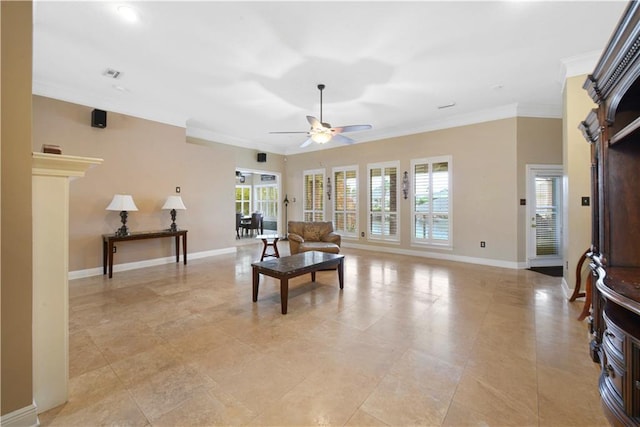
<point>313,236</point>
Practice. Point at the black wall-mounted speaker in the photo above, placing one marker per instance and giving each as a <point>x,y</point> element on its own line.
<point>262,157</point>
<point>99,119</point>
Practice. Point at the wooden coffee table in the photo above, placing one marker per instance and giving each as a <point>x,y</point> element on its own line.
<point>288,267</point>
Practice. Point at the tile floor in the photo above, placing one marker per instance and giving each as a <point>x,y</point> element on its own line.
<point>409,341</point>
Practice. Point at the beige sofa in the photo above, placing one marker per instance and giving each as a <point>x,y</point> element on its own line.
<point>313,236</point>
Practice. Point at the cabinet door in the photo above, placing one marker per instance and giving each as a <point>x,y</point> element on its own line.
<point>634,379</point>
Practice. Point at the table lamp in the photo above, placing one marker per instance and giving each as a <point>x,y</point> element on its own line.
<point>173,203</point>
<point>122,203</point>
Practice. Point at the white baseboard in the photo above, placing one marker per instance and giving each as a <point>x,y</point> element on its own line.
<point>24,417</point>
<point>565,287</point>
<point>79,274</point>
<point>438,255</point>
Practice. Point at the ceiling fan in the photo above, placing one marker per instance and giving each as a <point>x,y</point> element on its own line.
<point>322,132</point>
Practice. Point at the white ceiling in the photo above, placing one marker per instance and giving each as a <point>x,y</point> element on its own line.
<point>231,72</point>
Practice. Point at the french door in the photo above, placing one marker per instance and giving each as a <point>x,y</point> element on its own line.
<point>544,215</point>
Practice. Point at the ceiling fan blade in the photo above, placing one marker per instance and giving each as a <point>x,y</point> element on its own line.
<point>315,123</point>
<point>302,131</point>
<point>309,141</point>
<point>351,128</point>
<point>343,139</point>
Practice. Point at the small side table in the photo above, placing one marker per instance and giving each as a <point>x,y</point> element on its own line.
<point>269,241</point>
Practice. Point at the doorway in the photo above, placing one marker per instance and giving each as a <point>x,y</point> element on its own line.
<point>544,215</point>
<point>259,191</point>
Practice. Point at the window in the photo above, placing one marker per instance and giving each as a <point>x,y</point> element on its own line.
<point>266,201</point>
<point>313,209</point>
<point>548,192</point>
<point>431,200</point>
<point>345,201</point>
<point>243,199</point>
<point>383,201</point>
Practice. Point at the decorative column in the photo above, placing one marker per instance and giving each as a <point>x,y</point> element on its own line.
<point>51,174</point>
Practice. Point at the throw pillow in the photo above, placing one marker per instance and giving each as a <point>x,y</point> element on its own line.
<point>312,232</point>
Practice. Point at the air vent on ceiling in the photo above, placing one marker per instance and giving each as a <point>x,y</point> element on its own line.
<point>110,72</point>
<point>449,105</point>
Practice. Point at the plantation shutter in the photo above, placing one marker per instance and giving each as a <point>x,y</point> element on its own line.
<point>383,202</point>
<point>313,196</point>
<point>440,198</point>
<point>431,202</point>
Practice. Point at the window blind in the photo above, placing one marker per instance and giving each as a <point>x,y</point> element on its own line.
<point>313,195</point>
<point>345,202</point>
<point>431,201</point>
<point>547,233</point>
<point>383,201</point>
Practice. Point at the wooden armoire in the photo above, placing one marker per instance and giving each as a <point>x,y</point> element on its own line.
<point>613,129</point>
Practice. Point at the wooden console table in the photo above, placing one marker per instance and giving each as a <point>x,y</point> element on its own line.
<point>109,239</point>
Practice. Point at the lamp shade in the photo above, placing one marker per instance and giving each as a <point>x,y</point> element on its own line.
<point>122,202</point>
<point>321,136</point>
<point>174,202</point>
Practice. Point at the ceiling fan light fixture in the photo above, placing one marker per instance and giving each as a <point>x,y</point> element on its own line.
<point>322,132</point>
<point>322,136</point>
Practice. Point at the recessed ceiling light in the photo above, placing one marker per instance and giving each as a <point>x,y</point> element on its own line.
<point>128,13</point>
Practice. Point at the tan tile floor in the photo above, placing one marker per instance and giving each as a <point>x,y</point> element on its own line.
<point>409,341</point>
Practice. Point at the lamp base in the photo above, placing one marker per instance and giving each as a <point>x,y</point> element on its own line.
<point>173,227</point>
<point>123,231</point>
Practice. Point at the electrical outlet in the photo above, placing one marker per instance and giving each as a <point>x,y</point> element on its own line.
<point>482,244</point>
<point>115,249</point>
<point>177,189</point>
<point>362,234</point>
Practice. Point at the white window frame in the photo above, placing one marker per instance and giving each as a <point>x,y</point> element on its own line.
<point>344,211</point>
<point>440,243</point>
<point>313,214</point>
<point>260,204</point>
<point>244,187</point>
<point>395,238</point>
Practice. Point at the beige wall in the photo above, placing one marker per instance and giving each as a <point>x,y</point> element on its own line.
<point>577,172</point>
<point>539,142</point>
<point>16,249</point>
<point>147,160</point>
<point>487,161</point>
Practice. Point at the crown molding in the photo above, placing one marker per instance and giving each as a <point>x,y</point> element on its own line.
<point>577,65</point>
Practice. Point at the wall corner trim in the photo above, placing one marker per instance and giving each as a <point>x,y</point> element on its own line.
<point>22,417</point>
